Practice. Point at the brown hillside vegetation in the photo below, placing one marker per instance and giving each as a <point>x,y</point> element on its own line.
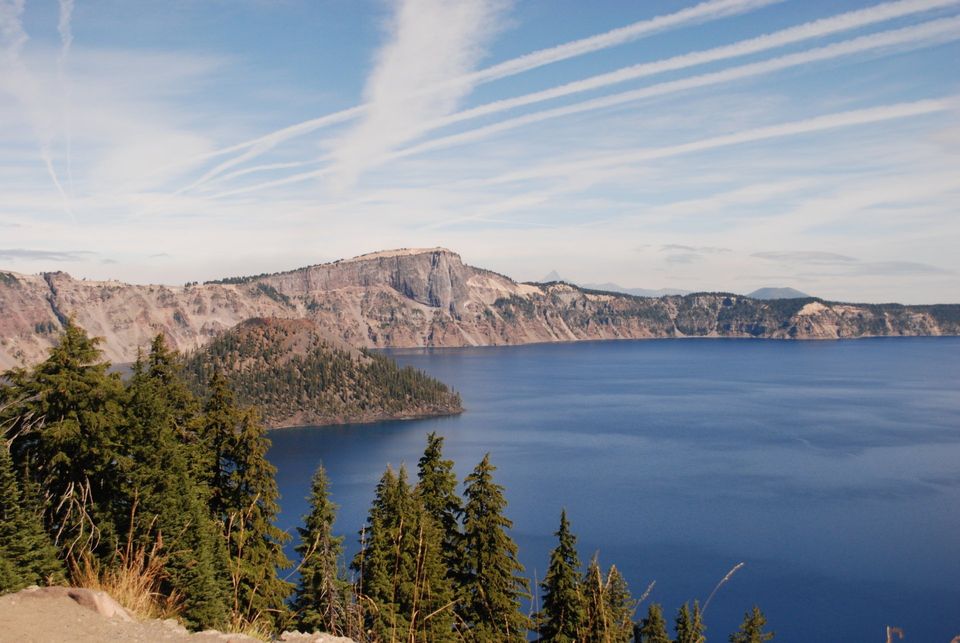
<point>298,375</point>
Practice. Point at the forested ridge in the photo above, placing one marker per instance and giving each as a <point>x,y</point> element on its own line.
<point>146,489</point>
<point>296,376</point>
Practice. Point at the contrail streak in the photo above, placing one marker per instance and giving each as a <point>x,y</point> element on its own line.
<point>703,12</point>
<point>816,29</point>
<point>926,34</point>
<point>836,120</point>
<point>13,37</point>
<point>66,40</point>
<point>933,32</point>
<point>789,36</point>
<point>575,170</point>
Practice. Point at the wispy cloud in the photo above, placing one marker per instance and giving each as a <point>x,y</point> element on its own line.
<point>792,35</point>
<point>678,247</point>
<point>805,257</point>
<point>924,35</point>
<point>432,43</point>
<point>826,264</point>
<point>21,84</point>
<point>703,12</point>
<point>697,14</point>
<point>24,254</point>
<point>852,118</point>
<point>65,28</point>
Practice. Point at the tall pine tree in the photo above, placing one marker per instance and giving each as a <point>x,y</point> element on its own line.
<point>653,628</point>
<point>620,606</point>
<point>243,498</point>
<point>608,606</point>
<point>437,490</point>
<point>562,616</point>
<point>65,414</point>
<point>596,614</point>
<point>27,556</point>
<point>492,586</point>
<point>170,506</point>
<point>689,624</point>
<point>751,630</point>
<point>320,600</point>
<point>403,586</point>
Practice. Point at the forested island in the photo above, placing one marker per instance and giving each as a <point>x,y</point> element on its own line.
<point>296,376</point>
<point>166,499</point>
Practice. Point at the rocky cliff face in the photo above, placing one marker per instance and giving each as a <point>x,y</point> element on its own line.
<point>407,298</point>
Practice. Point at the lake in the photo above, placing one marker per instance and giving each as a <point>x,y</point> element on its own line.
<point>831,469</point>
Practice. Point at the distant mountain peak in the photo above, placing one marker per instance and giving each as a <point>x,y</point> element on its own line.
<point>551,276</point>
<point>777,293</point>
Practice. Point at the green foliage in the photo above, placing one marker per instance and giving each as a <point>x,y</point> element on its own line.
<point>653,628</point>
<point>27,556</point>
<point>274,294</point>
<point>437,492</point>
<point>689,624</point>
<point>608,606</point>
<point>243,498</point>
<point>322,600</point>
<point>621,606</point>
<point>562,617</point>
<point>491,583</point>
<point>64,416</point>
<point>191,481</point>
<point>751,630</point>
<point>402,577</point>
<point>169,503</point>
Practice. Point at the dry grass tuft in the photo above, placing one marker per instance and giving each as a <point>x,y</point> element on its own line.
<point>134,580</point>
<point>257,628</point>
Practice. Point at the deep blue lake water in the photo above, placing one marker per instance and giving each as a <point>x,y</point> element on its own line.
<point>831,469</point>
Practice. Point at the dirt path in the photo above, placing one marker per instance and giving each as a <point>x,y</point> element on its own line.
<point>55,614</point>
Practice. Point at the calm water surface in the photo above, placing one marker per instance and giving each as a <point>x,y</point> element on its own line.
<point>832,469</point>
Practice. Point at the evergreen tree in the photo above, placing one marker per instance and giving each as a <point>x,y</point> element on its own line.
<point>27,556</point>
<point>437,490</point>
<point>492,586</point>
<point>751,630</point>
<point>653,628</point>
<point>243,498</point>
<point>620,606</point>
<point>320,597</point>
<point>689,624</point>
<point>596,615</point>
<point>608,606</point>
<point>402,584</point>
<point>562,616</point>
<point>65,414</point>
<point>169,504</point>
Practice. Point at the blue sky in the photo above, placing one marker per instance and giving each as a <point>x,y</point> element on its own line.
<point>719,145</point>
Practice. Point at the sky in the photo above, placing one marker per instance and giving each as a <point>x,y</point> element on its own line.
<point>722,145</point>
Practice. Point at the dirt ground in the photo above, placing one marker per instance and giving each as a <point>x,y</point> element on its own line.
<point>50,615</point>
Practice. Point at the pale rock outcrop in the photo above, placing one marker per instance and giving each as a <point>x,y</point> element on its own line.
<point>411,298</point>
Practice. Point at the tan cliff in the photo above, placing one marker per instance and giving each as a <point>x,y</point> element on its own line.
<point>408,298</point>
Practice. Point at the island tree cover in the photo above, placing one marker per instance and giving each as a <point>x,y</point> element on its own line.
<point>93,468</point>
<point>296,376</point>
